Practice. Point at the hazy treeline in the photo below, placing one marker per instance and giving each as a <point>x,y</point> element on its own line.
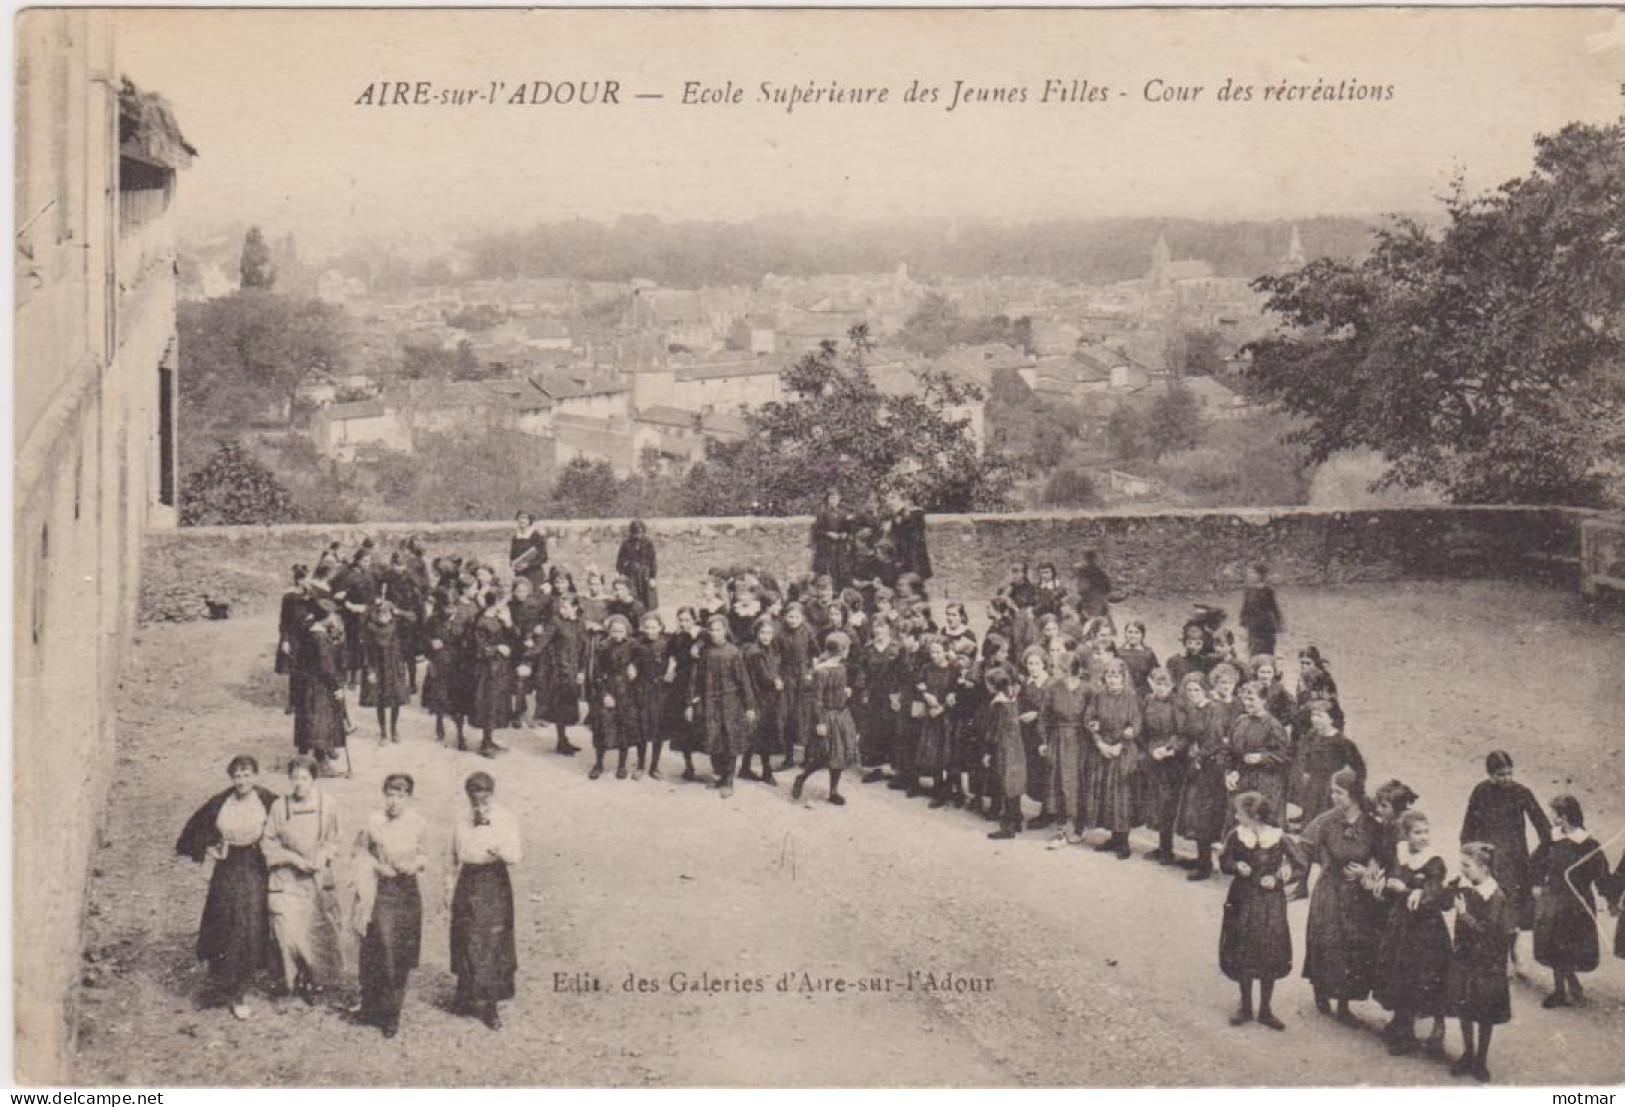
<point>713,253</point>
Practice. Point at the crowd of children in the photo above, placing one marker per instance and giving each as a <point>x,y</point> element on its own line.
<point>1054,720</point>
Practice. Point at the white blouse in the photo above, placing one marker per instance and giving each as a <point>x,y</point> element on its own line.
<point>241,820</point>
<point>496,840</point>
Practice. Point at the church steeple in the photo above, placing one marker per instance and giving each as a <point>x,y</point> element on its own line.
<point>1161,260</point>
<point>1294,251</point>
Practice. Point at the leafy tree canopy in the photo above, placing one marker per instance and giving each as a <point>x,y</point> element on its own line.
<point>256,268</point>
<point>839,430</point>
<point>1487,358</point>
<point>234,490</point>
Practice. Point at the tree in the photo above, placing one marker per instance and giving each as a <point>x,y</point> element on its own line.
<point>838,430</point>
<point>585,490</point>
<point>241,353</point>
<point>1128,432</point>
<point>1174,421</point>
<point>1202,353</point>
<point>465,364</point>
<point>234,490</point>
<point>1070,488</point>
<point>1487,358</point>
<point>933,327</point>
<point>256,267</point>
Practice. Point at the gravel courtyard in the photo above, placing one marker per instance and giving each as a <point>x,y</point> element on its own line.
<point>964,962</point>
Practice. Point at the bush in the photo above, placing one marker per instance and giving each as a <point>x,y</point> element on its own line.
<point>1070,488</point>
<point>234,490</point>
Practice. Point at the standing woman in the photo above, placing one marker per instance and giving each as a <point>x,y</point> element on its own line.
<point>1111,757</point>
<point>484,956</point>
<point>682,651</point>
<point>384,685</point>
<point>879,693</point>
<point>234,935</point>
<point>492,702</point>
<point>301,841</point>
<point>1162,765</point>
<point>636,562</point>
<point>1414,955</point>
<point>320,728</point>
<point>291,637</point>
<point>1254,940</point>
<point>1260,752</point>
<point>766,682</point>
<point>723,704</point>
<point>1315,683</point>
<point>1566,873</point>
<point>1321,752</point>
<point>391,918</point>
<point>1029,714</point>
<point>527,550</point>
<point>906,529</point>
<point>356,587</point>
<point>830,539</point>
<point>441,679</point>
<point>1066,699</point>
<point>562,679</point>
<point>610,688</point>
<point>1343,917</point>
<point>1496,813</point>
<point>1204,802</point>
<point>834,744</point>
<point>648,691</point>
<point>1479,995</point>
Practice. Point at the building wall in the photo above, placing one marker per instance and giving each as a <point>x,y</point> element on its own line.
<point>1145,551</point>
<point>95,323</point>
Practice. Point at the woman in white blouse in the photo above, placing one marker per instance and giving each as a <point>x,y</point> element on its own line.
<point>301,840</point>
<point>391,915</point>
<point>234,936</point>
<point>485,841</point>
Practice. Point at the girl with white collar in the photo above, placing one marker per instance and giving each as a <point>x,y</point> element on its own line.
<point>1479,995</point>
<point>1254,941</point>
<point>1414,955</point>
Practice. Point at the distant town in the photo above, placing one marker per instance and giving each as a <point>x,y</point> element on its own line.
<point>639,376</point>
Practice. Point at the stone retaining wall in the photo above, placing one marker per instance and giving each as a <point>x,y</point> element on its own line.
<point>1166,552</point>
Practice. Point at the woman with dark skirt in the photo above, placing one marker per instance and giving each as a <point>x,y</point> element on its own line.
<point>234,936</point>
<point>1496,813</point>
<point>1162,765</point>
<point>561,681</point>
<point>1413,956</point>
<point>320,729</point>
<point>1030,714</point>
<point>636,562</point>
<point>484,956</point>
<point>1204,803</point>
<point>1565,874</point>
<point>1111,759</point>
<point>649,692</point>
<point>492,704</point>
<point>609,685</point>
<point>390,917</point>
<point>682,651</point>
<point>355,587</point>
<point>441,678</point>
<point>879,695</point>
<point>762,666</point>
<point>1478,993</point>
<point>1254,940</point>
<point>290,652</point>
<point>1009,754</point>
<point>722,703</point>
<point>1062,721</point>
<point>384,684</point>
<point>1344,918</point>
<point>834,744</point>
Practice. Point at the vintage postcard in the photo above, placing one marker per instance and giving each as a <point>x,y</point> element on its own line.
<point>804,548</point>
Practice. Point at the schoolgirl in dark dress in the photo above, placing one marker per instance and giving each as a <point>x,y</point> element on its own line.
<point>762,667</point>
<point>1501,812</point>
<point>878,695</point>
<point>610,688</point>
<point>682,650</point>
<point>1478,992</point>
<point>1413,956</point>
<point>1254,940</point>
<point>648,693</point>
<point>1162,765</point>
<point>1344,918</point>
<point>1566,873</point>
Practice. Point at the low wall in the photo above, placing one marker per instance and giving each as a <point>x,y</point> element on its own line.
<point>1165,552</point>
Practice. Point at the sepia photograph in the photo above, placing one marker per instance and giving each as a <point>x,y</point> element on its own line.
<point>819,548</point>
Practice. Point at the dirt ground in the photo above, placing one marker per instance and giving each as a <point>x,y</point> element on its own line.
<point>966,962</point>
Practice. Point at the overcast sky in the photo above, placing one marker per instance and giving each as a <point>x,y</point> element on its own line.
<point>268,98</point>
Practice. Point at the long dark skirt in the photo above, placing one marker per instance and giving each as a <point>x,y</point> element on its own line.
<point>1342,938</point>
<point>483,953</point>
<point>877,725</point>
<point>1255,942</point>
<point>1413,958</point>
<point>235,934</point>
<point>389,952</point>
